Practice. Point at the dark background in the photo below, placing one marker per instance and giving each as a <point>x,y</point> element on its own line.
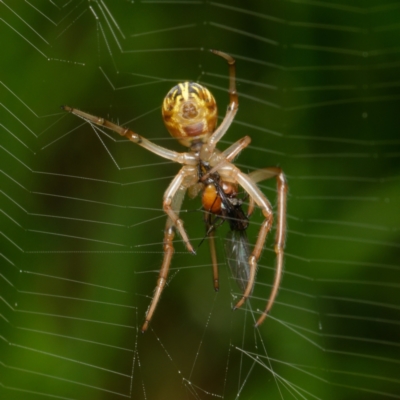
<point>82,227</point>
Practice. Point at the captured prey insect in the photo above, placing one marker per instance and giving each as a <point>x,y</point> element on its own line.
<point>237,252</point>
<point>227,206</point>
<point>221,203</point>
<point>190,114</point>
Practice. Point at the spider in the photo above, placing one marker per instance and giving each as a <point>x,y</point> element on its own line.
<point>190,114</point>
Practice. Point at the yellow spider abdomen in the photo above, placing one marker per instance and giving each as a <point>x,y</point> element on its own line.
<point>190,112</point>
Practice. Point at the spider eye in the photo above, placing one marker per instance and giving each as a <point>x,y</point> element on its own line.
<point>189,112</point>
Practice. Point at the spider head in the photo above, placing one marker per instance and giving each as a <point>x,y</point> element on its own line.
<point>190,112</point>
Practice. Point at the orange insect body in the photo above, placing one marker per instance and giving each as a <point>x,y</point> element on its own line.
<point>210,200</point>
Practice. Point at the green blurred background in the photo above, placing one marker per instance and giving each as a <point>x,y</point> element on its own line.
<point>82,224</point>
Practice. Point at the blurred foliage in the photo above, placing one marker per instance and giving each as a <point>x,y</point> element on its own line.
<point>318,87</point>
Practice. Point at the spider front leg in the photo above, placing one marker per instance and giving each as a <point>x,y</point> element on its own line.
<point>181,158</point>
<point>233,102</point>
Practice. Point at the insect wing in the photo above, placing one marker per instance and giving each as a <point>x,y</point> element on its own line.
<point>237,253</point>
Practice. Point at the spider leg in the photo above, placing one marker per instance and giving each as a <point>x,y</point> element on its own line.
<point>234,149</point>
<point>162,276</point>
<point>211,244</point>
<point>181,158</point>
<point>258,176</point>
<point>211,225</point>
<point>179,183</point>
<point>233,101</point>
<point>282,188</point>
<point>229,155</point>
<point>248,183</point>
<point>169,234</point>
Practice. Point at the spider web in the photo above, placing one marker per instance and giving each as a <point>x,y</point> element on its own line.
<point>82,223</point>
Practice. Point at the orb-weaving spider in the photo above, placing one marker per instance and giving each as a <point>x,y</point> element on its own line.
<point>190,114</point>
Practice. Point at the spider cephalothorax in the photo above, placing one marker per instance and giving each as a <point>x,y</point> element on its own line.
<point>190,115</point>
